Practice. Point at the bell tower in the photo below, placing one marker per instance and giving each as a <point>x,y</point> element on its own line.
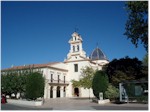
<point>76,46</point>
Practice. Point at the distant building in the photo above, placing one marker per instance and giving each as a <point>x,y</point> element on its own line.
<point>58,75</point>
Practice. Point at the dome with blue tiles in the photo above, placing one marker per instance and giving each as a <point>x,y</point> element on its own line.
<point>97,54</point>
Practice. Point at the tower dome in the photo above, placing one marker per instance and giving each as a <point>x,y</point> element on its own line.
<point>97,54</point>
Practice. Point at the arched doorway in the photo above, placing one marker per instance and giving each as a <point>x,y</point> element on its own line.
<point>64,91</point>
<point>58,91</point>
<point>51,92</point>
<point>76,92</point>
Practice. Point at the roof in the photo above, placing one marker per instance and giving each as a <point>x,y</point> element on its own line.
<point>75,34</point>
<point>33,66</point>
<point>97,54</point>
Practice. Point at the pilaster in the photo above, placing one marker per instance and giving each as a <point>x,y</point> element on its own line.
<point>62,91</point>
<point>48,92</point>
<point>54,91</point>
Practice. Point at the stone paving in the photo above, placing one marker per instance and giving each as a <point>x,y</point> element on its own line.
<point>86,104</point>
<point>76,104</point>
<point>69,104</point>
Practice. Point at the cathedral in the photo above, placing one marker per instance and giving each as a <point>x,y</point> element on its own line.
<point>58,75</point>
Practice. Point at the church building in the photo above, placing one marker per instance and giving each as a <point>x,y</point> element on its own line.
<point>58,75</point>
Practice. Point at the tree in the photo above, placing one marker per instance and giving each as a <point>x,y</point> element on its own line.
<point>4,83</point>
<point>120,76</point>
<point>100,83</point>
<point>35,86</point>
<point>75,83</point>
<point>124,69</point>
<point>13,83</point>
<point>86,78</point>
<point>112,92</point>
<point>145,60</point>
<point>9,84</point>
<point>22,84</point>
<point>145,67</point>
<point>137,23</point>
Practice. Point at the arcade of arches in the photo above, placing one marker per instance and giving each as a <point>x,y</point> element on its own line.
<point>57,91</point>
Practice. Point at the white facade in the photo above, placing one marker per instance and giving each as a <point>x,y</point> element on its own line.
<point>75,57</point>
<point>58,75</point>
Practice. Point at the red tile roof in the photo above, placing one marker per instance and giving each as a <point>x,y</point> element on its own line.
<point>30,66</point>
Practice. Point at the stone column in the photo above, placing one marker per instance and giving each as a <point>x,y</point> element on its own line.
<point>80,93</point>
<point>80,45</point>
<point>61,91</point>
<point>48,93</point>
<point>45,91</point>
<point>65,91</point>
<point>71,48</point>
<point>54,91</point>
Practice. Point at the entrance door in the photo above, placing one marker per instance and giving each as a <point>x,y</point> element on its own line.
<point>51,92</point>
<point>76,92</point>
<point>58,91</point>
<point>64,91</point>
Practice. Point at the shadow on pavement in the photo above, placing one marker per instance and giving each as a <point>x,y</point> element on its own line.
<point>118,108</point>
<point>16,107</point>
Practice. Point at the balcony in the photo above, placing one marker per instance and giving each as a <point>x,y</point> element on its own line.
<point>56,82</point>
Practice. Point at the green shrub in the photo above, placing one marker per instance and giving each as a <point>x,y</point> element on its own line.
<point>35,86</point>
<point>13,83</point>
<point>112,92</point>
<point>100,83</point>
<point>142,98</point>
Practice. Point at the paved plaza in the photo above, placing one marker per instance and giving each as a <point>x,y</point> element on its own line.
<point>76,104</point>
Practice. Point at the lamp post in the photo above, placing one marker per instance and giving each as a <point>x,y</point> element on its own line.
<point>89,93</point>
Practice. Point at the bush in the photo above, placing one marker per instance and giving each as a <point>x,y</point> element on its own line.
<point>13,83</point>
<point>100,83</point>
<point>142,98</point>
<point>112,92</point>
<point>35,86</point>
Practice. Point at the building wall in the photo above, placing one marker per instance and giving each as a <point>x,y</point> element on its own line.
<point>47,74</point>
<point>76,55</point>
<point>72,75</point>
<point>87,93</point>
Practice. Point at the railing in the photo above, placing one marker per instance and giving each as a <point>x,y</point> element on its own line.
<point>58,82</point>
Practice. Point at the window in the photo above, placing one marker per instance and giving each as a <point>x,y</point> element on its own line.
<point>58,78</point>
<point>75,67</point>
<point>51,77</point>
<point>64,79</point>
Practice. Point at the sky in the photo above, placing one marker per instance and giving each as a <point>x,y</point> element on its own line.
<point>38,32</point>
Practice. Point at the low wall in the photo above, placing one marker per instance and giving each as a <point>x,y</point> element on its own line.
<point>103,101</point>
<point>25,102</point>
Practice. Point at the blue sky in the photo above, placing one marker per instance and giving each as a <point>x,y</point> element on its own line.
<point>38,32</point>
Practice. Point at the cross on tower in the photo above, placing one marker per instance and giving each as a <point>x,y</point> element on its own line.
<point>97,44</point>
<point>76,29</point>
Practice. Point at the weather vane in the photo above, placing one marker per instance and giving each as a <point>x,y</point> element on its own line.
<point>97,44</point>
<point>76,29</point>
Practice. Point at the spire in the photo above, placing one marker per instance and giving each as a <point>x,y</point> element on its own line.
<point>76,29</point>
<point>97,45</point>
